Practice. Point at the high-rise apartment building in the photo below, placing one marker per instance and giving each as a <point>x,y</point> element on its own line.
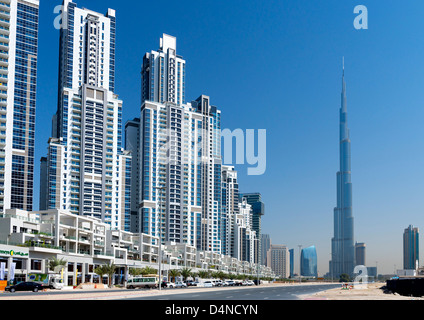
<point>411,251</point>
<point>18,84</point>
<point>279,260</point>
<point>163,74</point>
<point>179,154</point>
<point>230,208</point>
<point>360,254</point>
<point>265,245</point>
<point>342,244</point>
<point>89,173</point>
<point>132,143</point>
<point>180,173</point>
<point>258,211</point>
<point>244,237</point>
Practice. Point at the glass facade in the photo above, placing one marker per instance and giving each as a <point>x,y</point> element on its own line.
<point>22,181</point>
<point>309,262</point>
<point>411,248</point>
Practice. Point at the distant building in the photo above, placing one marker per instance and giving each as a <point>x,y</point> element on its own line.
<point>309,262</point>
<point>291,251</point>
<point>265,245</point>
<point>278,260</point>
<point>342,244</point>
<point>258,210</point>
<point>411,248</point>
<point>360,250</point>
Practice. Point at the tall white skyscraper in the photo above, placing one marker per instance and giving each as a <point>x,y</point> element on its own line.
<point>163,74</point>
<point>89,173</point>
<point>18,83</point>
<point>230,207</point>
<point>180,155</point>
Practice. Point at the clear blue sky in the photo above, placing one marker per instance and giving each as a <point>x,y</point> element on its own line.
<point>276,65</point>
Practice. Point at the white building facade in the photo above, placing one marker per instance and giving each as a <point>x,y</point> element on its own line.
<point>88,172</point>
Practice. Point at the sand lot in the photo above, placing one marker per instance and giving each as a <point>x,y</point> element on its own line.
<point>372,291</point>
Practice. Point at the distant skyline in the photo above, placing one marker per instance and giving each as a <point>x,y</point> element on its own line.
<point>276,65</point>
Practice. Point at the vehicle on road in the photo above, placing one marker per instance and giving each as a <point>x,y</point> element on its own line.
<point>250,283</point>
<point>48,281</point>
<point>25,286</point>
<point>180,284</point>
<point>229,283</point>
<point>167,284</point>
<point>189,283</point>
<point>238,283</point>
<point>197,284</point>
<point>142,282</point>
<point>208,284</point>
<point>217,283</point>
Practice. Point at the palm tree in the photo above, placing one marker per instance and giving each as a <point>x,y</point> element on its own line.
<point>203,274</point>
<point>148,271</point>
<point>135,271</point>
<point>174,273</point>
<point>110,271</point>
<point>186,272</point>
<point>56,265</point>
<point>100,271</point>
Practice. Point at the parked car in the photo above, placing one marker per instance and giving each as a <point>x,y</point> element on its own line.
<point>25,286</point>
<point>229,283</point>
<point>208,284</point>
<point>238,283</point>
<point>180,284</point>
<point>250,283</point>
<point>167,284</point>
<point>197,284</point>
<point>218,283</point>
<point>189,283</point>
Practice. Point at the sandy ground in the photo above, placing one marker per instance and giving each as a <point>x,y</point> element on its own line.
<point>373,291</point>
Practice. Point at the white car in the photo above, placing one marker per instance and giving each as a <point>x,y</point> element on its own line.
<point>180,284</point>
<point>208,284</point>
<point>229,283</point>
<point>250,283</point>
<point>197,284</point>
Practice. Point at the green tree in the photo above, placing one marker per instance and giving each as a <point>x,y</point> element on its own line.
<point>56,265</point>
<point>148,271</point>
<point>174,273</point>
<point>203,274</point>
<point>110,271</point>
<point>106,269</point>
<point>100,271</point>
<point>186,272</point>
<point>344,277</point>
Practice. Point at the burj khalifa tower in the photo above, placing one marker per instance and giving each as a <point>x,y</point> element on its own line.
<point>342,244</point>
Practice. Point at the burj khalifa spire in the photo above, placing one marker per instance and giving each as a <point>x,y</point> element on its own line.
<point>342,244</point>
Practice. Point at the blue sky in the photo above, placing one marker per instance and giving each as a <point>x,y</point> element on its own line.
<point>277,65</point>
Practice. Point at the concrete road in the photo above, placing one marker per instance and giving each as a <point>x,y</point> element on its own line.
<point>244,294</point>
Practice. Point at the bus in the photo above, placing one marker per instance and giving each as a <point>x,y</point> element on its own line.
<point>143,282</point>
